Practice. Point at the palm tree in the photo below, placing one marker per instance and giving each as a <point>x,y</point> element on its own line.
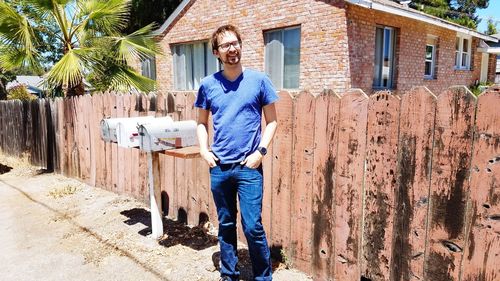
<point>90,43</point>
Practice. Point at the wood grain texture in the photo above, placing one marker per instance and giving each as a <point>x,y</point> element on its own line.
<point>134,162</point>
<point>380,184</point>
<point>416,129</point>
<point>349,185</point>
<point>325,156</point>
<point>180,164</point>
<point>193,197</point>
<point>482,251</point>
<point>302,181</point>
<point>127,152</point>
<point>449,183</point>
<point>282,176</point>
<point>170,179</point>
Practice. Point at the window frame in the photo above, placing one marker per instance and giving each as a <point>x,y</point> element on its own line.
<point>148,67</point>
<point>432,75</point>
<point>186,55</point>
<point>267,63</point>
<point>459,53</point>
<point>378,85</point>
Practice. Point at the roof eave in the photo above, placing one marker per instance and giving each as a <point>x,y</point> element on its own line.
<point>413,14</point>
<point>171,18</point>
<point>490,50</point>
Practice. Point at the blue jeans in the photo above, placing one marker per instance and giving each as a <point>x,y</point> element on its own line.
<point>229,180</point>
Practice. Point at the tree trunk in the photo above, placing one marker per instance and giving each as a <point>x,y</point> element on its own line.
<point>77,90</point>
<point>3,91</point>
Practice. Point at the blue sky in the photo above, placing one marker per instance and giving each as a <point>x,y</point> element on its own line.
<point>493,11</point>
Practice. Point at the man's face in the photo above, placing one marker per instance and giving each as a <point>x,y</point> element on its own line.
<point>229,50</point>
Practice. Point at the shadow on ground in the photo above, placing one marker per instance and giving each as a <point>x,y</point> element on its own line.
<point>4,169</point>
<point>245,264</point>
<point>177,232</point>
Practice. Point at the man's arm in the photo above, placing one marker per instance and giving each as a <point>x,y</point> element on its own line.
<point>202,132</point>
<point>253,160</point>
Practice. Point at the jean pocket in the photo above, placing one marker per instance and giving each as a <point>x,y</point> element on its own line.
<point>259,168</point>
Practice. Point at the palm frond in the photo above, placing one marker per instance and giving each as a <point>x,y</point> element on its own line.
<point>69,70</point>
<point>15,29</point>
<point>137,45</point>
<point>12,58</point>
<point>102,17</point>
<point>122,78</point>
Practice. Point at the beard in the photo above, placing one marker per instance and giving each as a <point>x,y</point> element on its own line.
<point>232,59</point>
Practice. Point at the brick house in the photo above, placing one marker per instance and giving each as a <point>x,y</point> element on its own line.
<point>313,45</point>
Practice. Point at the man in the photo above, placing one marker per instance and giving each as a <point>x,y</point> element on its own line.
<point>236,98</point>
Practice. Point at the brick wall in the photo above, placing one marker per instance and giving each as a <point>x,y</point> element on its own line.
<point>337,42</point>
<point>410,52</point>
<point>323,57</point>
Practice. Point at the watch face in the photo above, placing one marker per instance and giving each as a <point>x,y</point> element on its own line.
<point>262,150</point>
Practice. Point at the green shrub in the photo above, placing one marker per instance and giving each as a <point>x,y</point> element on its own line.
<point>477,89</point>
<point>19,92</point>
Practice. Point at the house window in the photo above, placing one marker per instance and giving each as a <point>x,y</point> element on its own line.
<point>429,61</point>
<point>462,52</point>
<point>191,63</point>
<point>282,57</point>
<point>383,76</point>
<point>430,58</point>
<point>148,68</point>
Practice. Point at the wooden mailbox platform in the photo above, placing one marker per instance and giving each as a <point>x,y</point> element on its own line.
<point>185,152</point>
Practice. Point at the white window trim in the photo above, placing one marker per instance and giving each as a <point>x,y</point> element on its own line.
<point>282,58</point>
<point>188,82</point>
<point>458,64</point>
<point>392,56</point>
<point>150,64</point>
<point>432,61</point>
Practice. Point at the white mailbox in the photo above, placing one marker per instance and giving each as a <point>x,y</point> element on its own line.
<point>109,126</point>
<point>158,136</point>
<point>127,130</point>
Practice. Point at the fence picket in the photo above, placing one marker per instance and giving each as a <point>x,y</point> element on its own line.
<point>302,181</point>
<point>480,260</point>
<point>325,156</point>
<point>349,184</point>
<point>449,183</point>
<point>416,128</point>
<point>193,196</point>
<point>380,183</point>
<point>282,171</point>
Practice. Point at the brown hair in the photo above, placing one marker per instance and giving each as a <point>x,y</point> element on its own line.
<point>221,30</point>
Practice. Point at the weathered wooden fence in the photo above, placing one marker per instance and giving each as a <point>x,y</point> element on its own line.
<point>356,187</point>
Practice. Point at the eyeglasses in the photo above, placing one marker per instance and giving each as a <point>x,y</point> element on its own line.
<point>226,46</point>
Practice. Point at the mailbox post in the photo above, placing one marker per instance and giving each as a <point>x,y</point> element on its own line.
<point>158,136</point>
<point>153,135</point>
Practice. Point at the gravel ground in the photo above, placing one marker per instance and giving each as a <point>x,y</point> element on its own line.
<point>56,228</point>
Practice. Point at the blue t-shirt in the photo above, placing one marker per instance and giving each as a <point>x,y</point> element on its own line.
<point>236,108</point>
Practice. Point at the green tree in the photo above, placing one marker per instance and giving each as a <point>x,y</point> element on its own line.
<point>20,92</point>
<point>491,27</point>
<point>462,12</point>
<point>144,12</point>
<point>87,34</point>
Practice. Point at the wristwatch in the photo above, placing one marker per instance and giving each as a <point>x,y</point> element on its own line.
<point>262,150</point>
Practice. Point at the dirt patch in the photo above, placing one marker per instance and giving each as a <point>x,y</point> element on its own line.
<point>73,231</point>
